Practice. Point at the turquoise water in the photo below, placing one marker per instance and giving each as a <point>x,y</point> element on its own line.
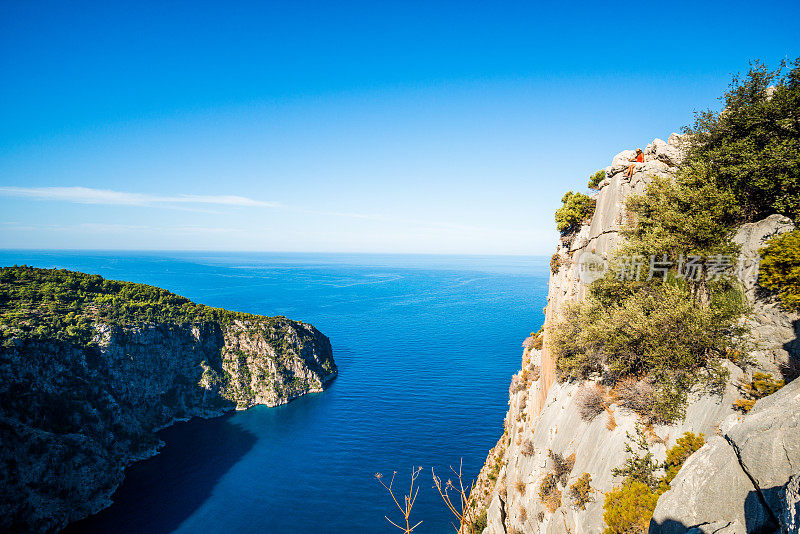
<point>425,346</point>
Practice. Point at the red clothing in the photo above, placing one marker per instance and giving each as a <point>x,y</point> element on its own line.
<point>639,157</point>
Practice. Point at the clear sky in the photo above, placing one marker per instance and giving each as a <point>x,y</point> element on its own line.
<point>441,127</point>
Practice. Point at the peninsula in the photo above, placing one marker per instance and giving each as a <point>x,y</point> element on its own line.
<point>91,369</point>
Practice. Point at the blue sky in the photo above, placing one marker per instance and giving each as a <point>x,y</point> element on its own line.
<point>430,127</point>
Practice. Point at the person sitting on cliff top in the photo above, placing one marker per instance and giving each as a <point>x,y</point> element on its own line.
<point>639,158</point>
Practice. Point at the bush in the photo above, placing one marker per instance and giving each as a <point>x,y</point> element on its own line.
<point>555,263</point>
<point>752,148</point>
<point>576,208</point>
<point>494,471</point>
<point>780,268</point>
<point>527,448</point>
<point>581,491</point>
<point>759,387</point>
<point>684,447</point>
<point>639,465</point>
<point>517,385</point>
<point>480,522</point>
<point>549,483</point>
<point>549,494</point>
<point>521,487</point>
<point>690,215</point>
<point>590,401</point>
<point>533,374</point>
<point>629,508</point>
<point>637,396</point>
<point>596,178</point>
<point>561,466</point>
<point>659,332</point>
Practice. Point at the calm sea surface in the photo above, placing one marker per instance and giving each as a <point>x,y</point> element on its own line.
<point>425,346</point>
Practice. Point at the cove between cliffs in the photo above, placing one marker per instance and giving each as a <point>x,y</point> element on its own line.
<point>90,368</point>
<point>425,347</point>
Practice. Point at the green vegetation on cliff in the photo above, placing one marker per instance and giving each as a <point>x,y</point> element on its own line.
<point>74,413</point>
<point>596,178</point>
<point>675,328</point>
<point>760,386</point>
<point>780,268</point>
<point>576,208</point>
<point>752,147</point>
<point>628,508</point>
<point>59,304</point>
<point>686,216</point>
<point>655,330</point>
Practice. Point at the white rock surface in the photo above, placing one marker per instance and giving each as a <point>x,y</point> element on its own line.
<point>543,413</point>
<point>746,479</point>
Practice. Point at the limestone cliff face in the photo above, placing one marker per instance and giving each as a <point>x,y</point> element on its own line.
<point>747,479</point>
<point>543,416</point>
<point>72,418</point>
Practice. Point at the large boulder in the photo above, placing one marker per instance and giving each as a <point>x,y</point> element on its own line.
<point>774,330</point>
<point>669,153</point>
<point>751,237</point>
<point>746,479</point>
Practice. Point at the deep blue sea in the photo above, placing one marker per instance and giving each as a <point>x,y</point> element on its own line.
<point>426,346</point>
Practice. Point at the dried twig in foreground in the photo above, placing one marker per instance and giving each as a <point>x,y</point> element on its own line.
<point>408,500</point>
<point>461,510</point>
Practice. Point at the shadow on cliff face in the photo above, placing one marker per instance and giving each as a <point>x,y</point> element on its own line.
<point>758,510</point>
<point>792,369</point>
<point>158,494</point>
<point>758,516</point>
<point>668,526</point>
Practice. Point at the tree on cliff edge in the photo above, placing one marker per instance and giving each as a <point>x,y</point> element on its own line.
<point>752,146</point>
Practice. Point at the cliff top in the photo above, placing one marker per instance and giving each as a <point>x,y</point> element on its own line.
<point>56,303</point>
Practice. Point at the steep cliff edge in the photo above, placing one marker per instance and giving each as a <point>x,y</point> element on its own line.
<point>86,379</point>
<point>547,446</point>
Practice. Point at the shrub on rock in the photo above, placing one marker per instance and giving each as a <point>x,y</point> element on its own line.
<point>684,447</point>
<point>636,395</point>
<point>596,178</point>
<point>629,508</point>
<point>590,401</point>
<point>576,208</point>
<point>780,268</point>
<point>753,146</point>
<point>581,491</point>
<point>761,385</point>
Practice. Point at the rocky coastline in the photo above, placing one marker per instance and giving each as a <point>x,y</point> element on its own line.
<point>74,416</point>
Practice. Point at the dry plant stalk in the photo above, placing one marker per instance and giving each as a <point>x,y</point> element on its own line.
<point>612,423</point>
<point>651,435</point>
<point>408,500</point>
<point>462,510</point>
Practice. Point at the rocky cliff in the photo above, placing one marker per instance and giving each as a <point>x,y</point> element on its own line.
<point>746,479</point>
<point>73,415</point>
<point>545,435</point>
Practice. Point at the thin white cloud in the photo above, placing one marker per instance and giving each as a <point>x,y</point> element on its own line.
<point>106,228</point>
<point>86,195</point>
<point>190,202</point>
